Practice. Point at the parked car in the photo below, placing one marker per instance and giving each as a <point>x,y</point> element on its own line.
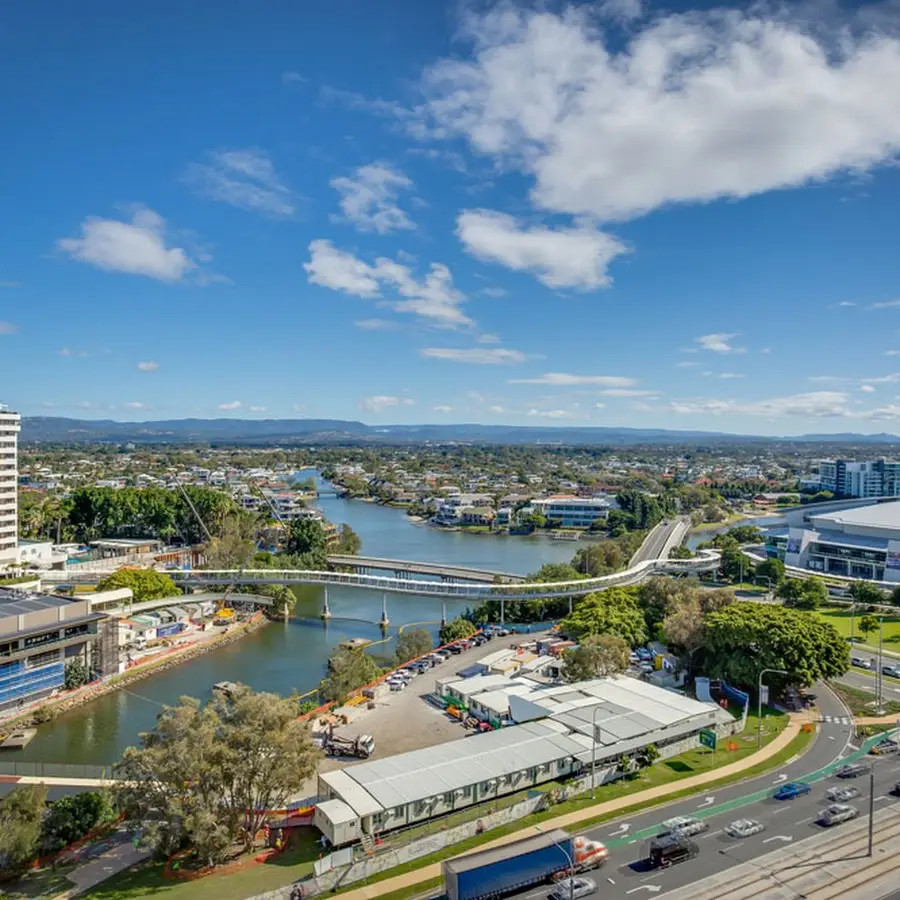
<point>852,770</point>
<point>455,649</point>
<point>837,813</point>
<point>443,654</point>
<point>744,828</point>
<point>644,654</point>
<point>573,889</point>
<point>396,684</point>
<point>862,661</point>
<point>685,825</point>
<point>841,794</point>
<point>888,745</point>
<point>893,671</point>
<point>790,790</point>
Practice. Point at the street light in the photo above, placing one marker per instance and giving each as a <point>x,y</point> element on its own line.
<point>759,687</point>
<point>594,750</point>
<point>880,708</point>
<point>569,860</point>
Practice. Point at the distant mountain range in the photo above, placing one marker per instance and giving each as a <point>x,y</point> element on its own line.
<point>50,429</point>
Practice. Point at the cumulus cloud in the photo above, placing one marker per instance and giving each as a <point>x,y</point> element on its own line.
<point>482,356</point>
<point>136,404</point>
<point>433,299</point>
<point>234,404</point>
<point>718,343</point>
<point>554,414</point>
<point>369,199</point>
<point>243,178</point>
<point>687,364</point>
<point>488,338</point>
<point>818,404</point>
<point>137,247</point>
<point>443,408</point>
<point>380,402</point>
<point>566,379</point>
<point>867,388</point>
<point>375,324</point>
<point>693,107</point>
<point>628,392</point>
<point>145,366</point>
<point>558,257</point>
<point>885,304</point>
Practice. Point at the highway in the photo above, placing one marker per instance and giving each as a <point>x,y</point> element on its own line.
<point>661,539</point>
<point>625,873</point>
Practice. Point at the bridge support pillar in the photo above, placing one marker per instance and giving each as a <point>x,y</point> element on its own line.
<point>326,612</point>
<point>443,614</point>
<point>570,605</point>
<point>502,611</point>
<point>385,621</point>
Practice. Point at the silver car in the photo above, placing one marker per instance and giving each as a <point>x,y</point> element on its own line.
<point>837,813</point>
<point>744,828</point>
<point>573,888</point>
<point>684,825</point>
<point>841,794</point>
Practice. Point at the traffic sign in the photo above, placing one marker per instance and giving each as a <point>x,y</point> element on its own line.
<point>708,739</point>
<point>764,695</point>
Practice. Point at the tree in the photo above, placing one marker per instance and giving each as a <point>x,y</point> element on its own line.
<point>646,756</point>
<point>868,624</point>
<point>455,629</point>
<point>595,657</point>
<point>744,638</point>
<point>349,542</point>
<point>865,593</point>
<point>683,627</point>
<point>145,584</point>
<point>71,818</point>
<point>412,645</point>
<point>773,569</point>
<point>230,550</point>
<point>283,599</point>
<point>555,572</point>
<point>307,536</point>
<point>790,591</point>
<point>206,776</point>
<point>895,596</point>
<point>21,815</point>
<point>809,593</point>
<point>348,670</point>
<point>614,611</point>
<point>77,674</point>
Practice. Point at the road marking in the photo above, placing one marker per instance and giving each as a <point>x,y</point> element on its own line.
<point>653,888</point>
<point>793,759</point>
<point>804,821</point>
<point>609,880</point>
<point>711,834</point>
<point>779,779</point>
<point>779,837</point>
<point>882,797</point>
<point>622,829</point>
<point>707,801</point>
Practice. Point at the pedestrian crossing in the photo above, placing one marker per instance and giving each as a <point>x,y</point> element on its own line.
<point>837,720</point>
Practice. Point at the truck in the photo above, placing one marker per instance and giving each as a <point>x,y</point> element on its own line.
<point>362,746</point>
<point>534,860</point>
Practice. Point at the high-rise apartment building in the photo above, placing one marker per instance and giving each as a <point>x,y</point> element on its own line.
<point>874,478</point>
<point>9,480</point>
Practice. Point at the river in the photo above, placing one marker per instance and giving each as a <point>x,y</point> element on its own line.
<point>286,656</point>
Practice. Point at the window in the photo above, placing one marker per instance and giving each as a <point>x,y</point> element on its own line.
<point>399,812</point>
<point>41,659</point>
<point>35,640</point>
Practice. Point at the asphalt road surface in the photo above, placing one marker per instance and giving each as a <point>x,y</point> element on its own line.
<point>626,874</point>
<point>656,541</point>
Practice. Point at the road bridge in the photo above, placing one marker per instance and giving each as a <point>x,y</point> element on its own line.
<point>403,568</point>
<point>662,538</point>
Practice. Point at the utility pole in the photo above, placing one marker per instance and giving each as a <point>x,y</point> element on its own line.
<point>880,709</point>
<point>871,806</point>
<point>759,688</point>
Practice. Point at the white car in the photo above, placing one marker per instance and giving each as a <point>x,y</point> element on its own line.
<point>396,684</point>
<point>573,888</point>
<point>744,828</point>
<point>841,794</point>
<point>837,813</point>
<point>684,825</point>
<point>862,662</point>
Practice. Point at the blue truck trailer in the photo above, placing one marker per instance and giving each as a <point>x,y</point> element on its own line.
<point>519,864</point>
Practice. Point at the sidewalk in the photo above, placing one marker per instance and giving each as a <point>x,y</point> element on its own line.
<point>877,720</point>
<point>427,873</point>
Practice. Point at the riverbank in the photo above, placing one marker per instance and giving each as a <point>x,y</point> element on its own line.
<point>45,711</point>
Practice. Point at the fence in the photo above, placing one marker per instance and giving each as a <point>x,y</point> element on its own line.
<point>55,770</point>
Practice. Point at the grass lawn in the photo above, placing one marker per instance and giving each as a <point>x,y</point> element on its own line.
<point>39,883</point>
<point>860,702</point>
<point>148,881</point>
<point>840,618</point>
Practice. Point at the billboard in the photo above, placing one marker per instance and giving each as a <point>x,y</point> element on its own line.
<point>893,555</point>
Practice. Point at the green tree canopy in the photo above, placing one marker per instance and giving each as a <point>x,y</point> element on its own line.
<point>77,674</point>
<point>744,638</point>
<point>145,584</point>
<point>412,644</point>
<point>773,569</point>
<point>307,537</point>
<point>205,776</point>
<point>867,624</point>
<point>71,818</point>
<point>348,670</point>
<point>555,572</point>
<point>615,611</point>
<point>455,629</point>
<point>596,656</point>
<point>866,594</point>
<point>21,819</point>
<point>349,543</point>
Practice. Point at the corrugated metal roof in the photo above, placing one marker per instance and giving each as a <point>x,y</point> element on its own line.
<point>337,812</point>
<point>350,791</point>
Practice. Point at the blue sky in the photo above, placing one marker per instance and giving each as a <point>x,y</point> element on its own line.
<point>601,214</point>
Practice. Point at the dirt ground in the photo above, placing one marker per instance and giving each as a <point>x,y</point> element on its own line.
<point>406,720</point>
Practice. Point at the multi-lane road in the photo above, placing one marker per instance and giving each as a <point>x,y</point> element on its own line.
<point>867,679</point>
<point>662,538</point>
<point>626,874</point>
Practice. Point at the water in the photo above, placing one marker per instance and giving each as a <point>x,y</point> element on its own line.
<point>698,537</point>
<point>283,657</point>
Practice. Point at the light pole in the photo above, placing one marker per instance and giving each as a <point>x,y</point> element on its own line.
<point>594,752</point>
<point>871,805</point>
<point>880,708</point>
<point>759,687</point>
<point>569,860</point>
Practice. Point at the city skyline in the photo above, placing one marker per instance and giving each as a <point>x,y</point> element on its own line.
<point>455,213</point>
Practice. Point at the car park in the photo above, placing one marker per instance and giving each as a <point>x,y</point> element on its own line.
<point>573,888</point>
<point>644,654</point>
<point>686,825</point>
<point>841,794</point>
<point>888,745</point>
<point>837,813</point>
<point>852,770</point>
<point>863,662</point>
<point>790,790</point>
<point>396,684</point>
<point>744,828</point>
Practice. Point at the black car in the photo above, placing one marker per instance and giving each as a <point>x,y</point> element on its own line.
<point>852,770</point>
<point>671,848</point>
<point>455,649</point>
<point>896,789</point>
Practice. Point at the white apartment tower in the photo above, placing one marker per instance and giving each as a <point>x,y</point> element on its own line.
<point>9,480</point>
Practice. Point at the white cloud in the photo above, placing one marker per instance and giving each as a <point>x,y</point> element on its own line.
<point>8,328</point>
<point>147,366</point>
<point>487,338</point>
<point>258,409</point>
<point>621,10</point>
<point>846,303</point>
<point>442,408</point>
<point>560,258</point>
<point>234,404</point>
<point>867,388</point>
<point>766,351</point>
<point>298,407</point>
<point>693,107</point>
<point>893,378</point>
<point>886,304</point>
<point>497,410</point>
<point>565,379</point>
<point>829,379</point>
<point>66,351</point>
<point>481,356</point>
<point>719,343</point>
<point>687,364</point>
<point>600,405</point>
<point>138,247</point>
<point>892,352</point>
<point>9,284</point>
<point>369,200</point>
<point>135,404</point>
<point>819,404</point>
<point>553,414</point>
<point>293,78</point>
<point>433,298</point>
<point>375,324</point>
<point>242,178</point>
<point>493,292</point>
<point>628,392</point>
<point>724,375</point>
<point>380,402</point>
